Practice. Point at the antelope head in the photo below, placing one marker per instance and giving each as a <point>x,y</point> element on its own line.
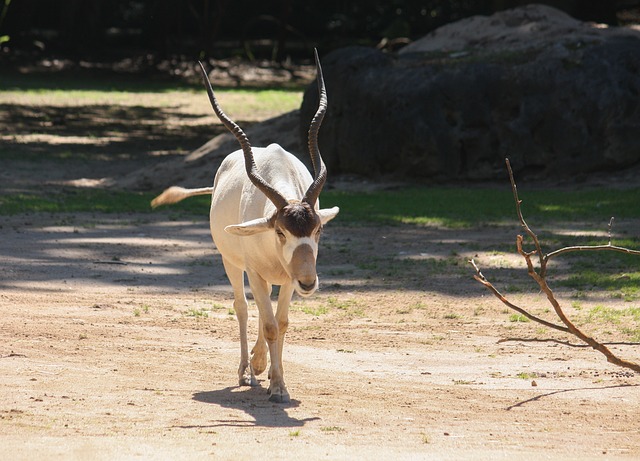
<point>297,223</point>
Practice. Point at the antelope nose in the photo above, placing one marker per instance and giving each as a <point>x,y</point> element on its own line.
<point>307,286</point>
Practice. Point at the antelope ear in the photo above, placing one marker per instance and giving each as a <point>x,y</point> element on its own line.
<point>252,227</point>
<point>328,214</point>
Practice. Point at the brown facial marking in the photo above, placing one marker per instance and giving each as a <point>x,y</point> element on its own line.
<point>299,219</point>
<point>303,263</point>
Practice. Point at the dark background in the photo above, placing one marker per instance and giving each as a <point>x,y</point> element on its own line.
<point>277,30</point>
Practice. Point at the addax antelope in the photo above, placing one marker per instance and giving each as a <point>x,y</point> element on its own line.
<point>266,222</point>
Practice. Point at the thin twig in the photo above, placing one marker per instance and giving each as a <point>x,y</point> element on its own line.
<point>592,248</point>
<point>610,229</point>
<point>558,341</point>
<point>523,223</point>
<point>120,263</point>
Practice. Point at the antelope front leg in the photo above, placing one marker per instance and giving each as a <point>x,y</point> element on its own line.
<point>277,389</point>
<point>282,317</point>
<point>246,376</point>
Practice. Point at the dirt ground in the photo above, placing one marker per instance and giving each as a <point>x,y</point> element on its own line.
<point>118,340</point>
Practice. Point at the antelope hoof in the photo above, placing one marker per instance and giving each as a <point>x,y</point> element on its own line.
<point>280,398</point>
<point>247,377</point>
<point>258,361</point>
<point>279,394</point>
<point>248,381</point>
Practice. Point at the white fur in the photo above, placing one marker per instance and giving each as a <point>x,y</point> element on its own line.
<point>293,243</point>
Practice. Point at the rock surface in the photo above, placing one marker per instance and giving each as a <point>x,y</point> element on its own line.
<point>558,96</point>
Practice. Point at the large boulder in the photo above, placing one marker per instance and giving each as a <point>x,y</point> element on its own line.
<point>555,95</point>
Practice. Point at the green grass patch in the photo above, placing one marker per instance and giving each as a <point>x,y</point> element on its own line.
<point>332,429</point>
<point>625,285</point>
<point>603,314</point>
<point>518,318</point>
<point>96,200</point>
<point>623,321</point>
<point>241,104</point>
<point>116,99</point>
<point>448,207</point>
<point>67,81</point>
<point>469,207</point>
<point>263,101</point>
<point>201,313</point>
<point>349,307</point>
<point>314,311</point>
<point>526,375</point>
<point>40,83</point>
<point>233,100</point>
<point>74,200</point>
<point>632,333</point>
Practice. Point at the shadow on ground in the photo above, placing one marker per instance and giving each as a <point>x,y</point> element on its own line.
<point>252,401</point>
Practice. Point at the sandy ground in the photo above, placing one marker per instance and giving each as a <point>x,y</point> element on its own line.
<point>118,341</point>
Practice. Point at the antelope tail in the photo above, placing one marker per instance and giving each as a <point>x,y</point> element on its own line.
<point>176,194</point>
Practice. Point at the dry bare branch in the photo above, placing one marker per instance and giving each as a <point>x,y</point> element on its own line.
<point>481,278</point>
<point>539,277</point>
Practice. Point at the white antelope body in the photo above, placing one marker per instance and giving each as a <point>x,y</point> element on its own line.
<point>266,222</point>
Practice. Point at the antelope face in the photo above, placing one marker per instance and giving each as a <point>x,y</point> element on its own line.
<point>297,227</point>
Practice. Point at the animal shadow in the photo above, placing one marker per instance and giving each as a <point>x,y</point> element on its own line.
<point>254,402</point>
